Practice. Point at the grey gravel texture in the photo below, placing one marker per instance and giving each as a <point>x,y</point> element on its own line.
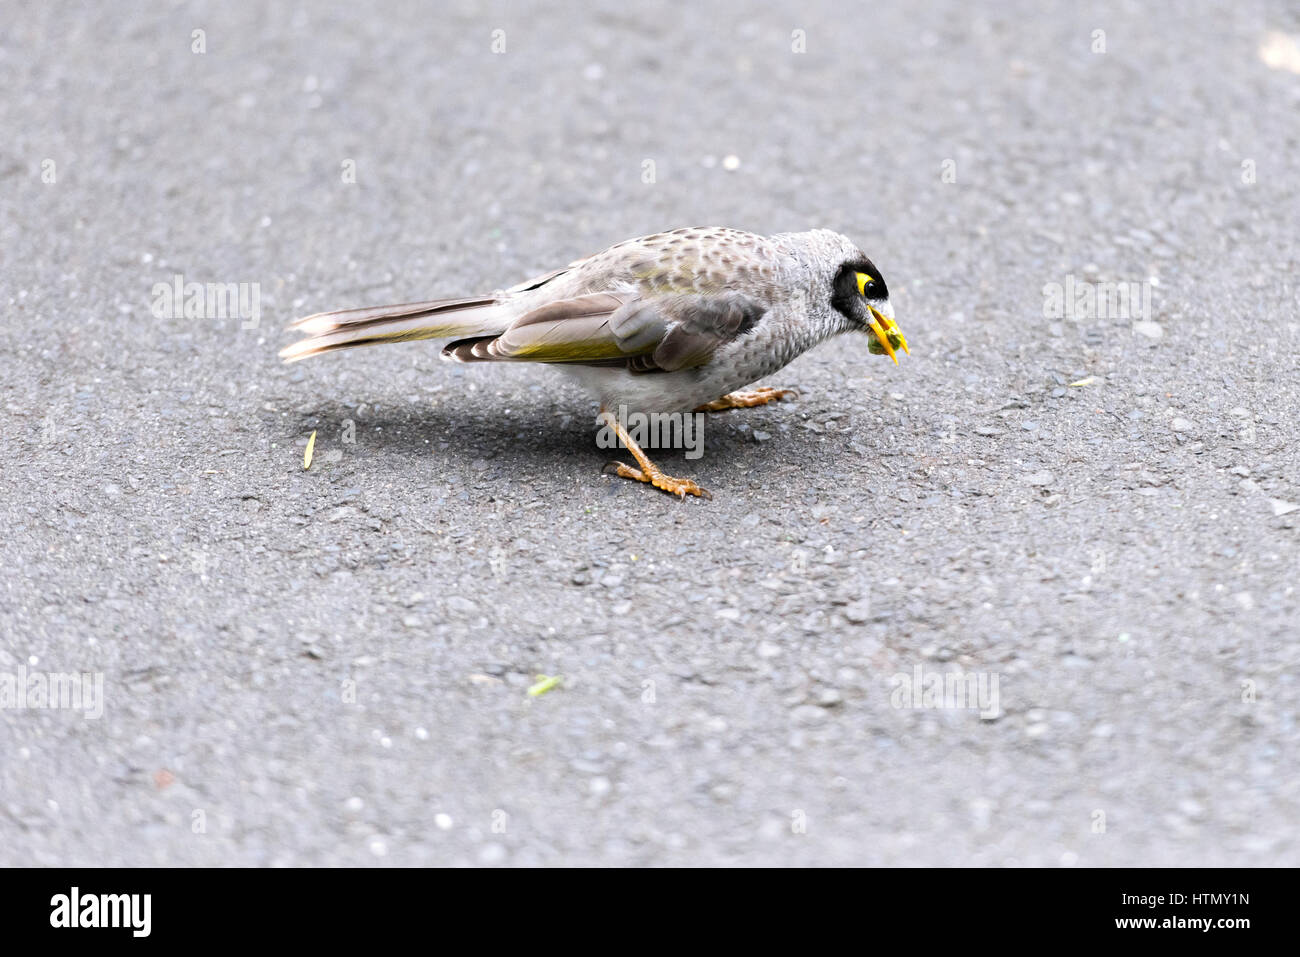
<point>331,666</point>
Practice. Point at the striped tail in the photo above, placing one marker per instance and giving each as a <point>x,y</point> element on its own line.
<point>435,319</point>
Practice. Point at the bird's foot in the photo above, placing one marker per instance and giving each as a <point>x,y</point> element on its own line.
<point>673,486</point>
<point>648,472</point>
<point>746,399</point>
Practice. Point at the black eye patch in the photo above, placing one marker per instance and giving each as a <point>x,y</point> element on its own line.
<point>846,281</point>
<point>844,293</point>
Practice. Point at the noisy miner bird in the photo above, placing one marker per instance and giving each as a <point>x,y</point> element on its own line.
<point>673,322</point>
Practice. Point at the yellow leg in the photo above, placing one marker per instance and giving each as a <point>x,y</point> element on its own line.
<point>648,472</point>
<point>746,399</point>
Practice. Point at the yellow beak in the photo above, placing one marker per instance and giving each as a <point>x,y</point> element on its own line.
<point>888,333</point>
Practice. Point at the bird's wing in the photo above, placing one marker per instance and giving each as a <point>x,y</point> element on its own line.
<point>647,334</point>
<point>658,303</point>
<point>702,325</point>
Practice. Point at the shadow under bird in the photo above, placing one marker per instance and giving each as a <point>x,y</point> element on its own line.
<point>673,322</point>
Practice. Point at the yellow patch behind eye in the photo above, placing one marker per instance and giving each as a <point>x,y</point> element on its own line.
<point>863,279</point>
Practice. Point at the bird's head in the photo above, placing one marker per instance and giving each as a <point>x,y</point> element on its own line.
<point>860,294</point>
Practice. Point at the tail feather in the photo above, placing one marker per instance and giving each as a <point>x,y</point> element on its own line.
<point>468,350</point>
<point>435,319</point>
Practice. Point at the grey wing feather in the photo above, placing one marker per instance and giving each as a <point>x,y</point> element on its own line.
<point>639,326</point>
<point>647,335</point>
<point>567,330</point>
<point>707,323</point>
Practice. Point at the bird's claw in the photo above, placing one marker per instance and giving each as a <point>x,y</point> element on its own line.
<point>680,487</point>
<point>673,486</point>
<point>747,399</point>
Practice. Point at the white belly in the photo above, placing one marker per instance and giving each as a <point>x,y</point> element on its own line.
<point>658,391</point>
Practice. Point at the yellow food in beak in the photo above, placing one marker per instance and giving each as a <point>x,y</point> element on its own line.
<point>887,332</point>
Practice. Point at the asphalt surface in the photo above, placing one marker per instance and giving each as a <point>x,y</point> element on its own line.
<point>331,666</point>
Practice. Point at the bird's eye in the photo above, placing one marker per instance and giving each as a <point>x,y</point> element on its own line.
<point>863,282</point>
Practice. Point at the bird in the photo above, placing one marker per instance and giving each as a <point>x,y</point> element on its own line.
<point>678,321</point>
